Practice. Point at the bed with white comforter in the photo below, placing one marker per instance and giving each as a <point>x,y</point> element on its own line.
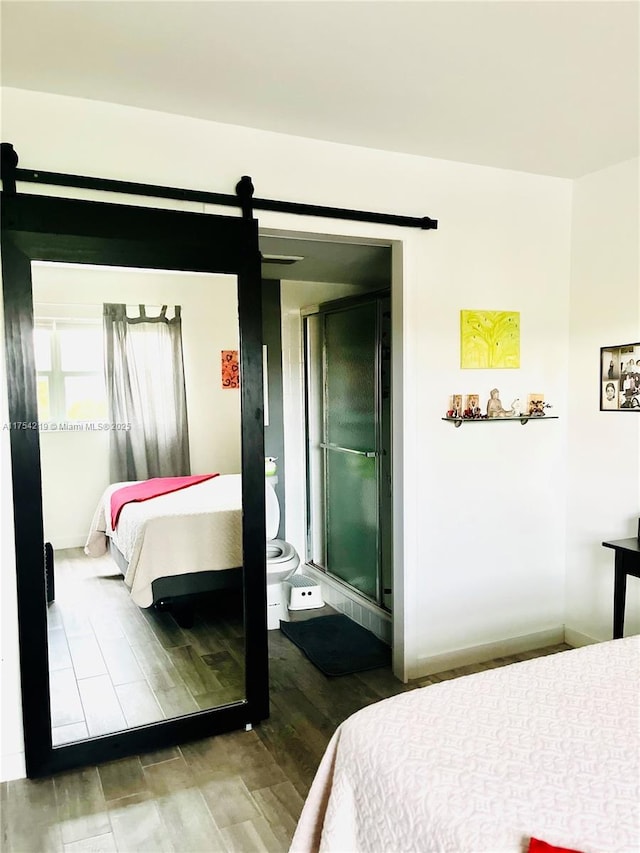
<point>195,529</point>
<point>547,748</point>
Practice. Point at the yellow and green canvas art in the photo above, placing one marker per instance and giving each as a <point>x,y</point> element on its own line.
<point>489,339</point>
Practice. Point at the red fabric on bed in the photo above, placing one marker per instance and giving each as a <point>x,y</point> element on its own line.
<point>153,488</point>
<point>537,846</point>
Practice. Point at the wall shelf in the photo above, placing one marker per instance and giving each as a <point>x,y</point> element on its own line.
<point>457,422</point>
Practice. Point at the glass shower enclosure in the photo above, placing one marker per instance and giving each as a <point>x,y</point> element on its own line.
<point>348,418</point>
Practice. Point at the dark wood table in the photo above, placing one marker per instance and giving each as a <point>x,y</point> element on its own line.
<point>627,563</point>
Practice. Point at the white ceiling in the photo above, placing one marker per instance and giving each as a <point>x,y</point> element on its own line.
<point>542,86</point>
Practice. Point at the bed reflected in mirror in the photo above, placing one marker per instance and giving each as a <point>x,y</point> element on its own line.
<point>138,407</point>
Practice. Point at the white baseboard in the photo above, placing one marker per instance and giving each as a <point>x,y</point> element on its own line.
<point>576,639</point>
<point>12,767</point>
<point>487,651</point>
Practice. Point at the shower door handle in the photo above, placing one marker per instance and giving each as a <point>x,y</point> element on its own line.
<point>369,454</point>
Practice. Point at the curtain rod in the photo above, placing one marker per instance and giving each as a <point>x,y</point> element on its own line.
<point>243,198</point>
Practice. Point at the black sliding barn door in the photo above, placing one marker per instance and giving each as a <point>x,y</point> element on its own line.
<point>62,231</point>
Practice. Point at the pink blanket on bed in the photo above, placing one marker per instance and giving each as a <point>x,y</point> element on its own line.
<point>153,488</point>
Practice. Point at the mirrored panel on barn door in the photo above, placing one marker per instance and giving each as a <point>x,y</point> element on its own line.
<point>146,621</point>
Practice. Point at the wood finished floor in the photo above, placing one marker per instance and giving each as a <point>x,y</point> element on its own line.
<point>239,792</point>
<point>113,665</point>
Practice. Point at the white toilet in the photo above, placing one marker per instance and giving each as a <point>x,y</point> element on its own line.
<point>282,561</point>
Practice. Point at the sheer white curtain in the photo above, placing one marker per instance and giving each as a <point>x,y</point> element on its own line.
<point>145,389</point>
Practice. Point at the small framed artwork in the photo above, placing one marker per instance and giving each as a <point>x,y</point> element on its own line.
<point>620,378</point>
<point>535,404</point>
<point>473,401</point>
<point>472,404</point>
<point>230,369</point>
<point>455,406</point>
<point>489,339</point>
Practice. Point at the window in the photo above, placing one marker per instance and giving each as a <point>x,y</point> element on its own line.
<point>69,364</point>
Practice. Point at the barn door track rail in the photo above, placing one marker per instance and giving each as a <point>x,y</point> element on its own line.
<point>11,175</point>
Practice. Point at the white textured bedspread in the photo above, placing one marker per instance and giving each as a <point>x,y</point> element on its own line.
<point>548,748</point>
<point>195,529</point>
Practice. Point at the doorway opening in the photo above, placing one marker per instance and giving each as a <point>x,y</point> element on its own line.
<point>328,284</point>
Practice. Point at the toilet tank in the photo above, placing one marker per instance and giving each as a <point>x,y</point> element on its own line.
<point>272,511</point>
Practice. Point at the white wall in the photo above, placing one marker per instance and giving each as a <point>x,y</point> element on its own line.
<point>603,447</point>
<point>485,557</point>
<point>482,522</point>
<point>75,465</point>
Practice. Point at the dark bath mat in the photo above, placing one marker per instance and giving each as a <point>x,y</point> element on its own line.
<point>337,645</point>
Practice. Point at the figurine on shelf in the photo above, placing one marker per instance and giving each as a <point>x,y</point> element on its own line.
<point>516,408</point>
<point>494,407</point>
